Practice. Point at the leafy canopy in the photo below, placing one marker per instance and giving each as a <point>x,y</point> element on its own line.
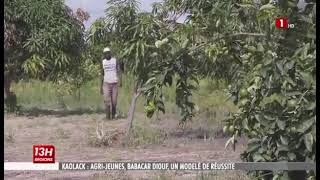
<point>42,38</point>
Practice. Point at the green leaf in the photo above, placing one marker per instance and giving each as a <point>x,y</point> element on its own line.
<point>311,106</point>
<point>246,5</point>
<point>261,120</point>
<point>267,7</point>
<point>284,176</point>
<point>266,157</point>
<point>185,43</point>
<point>281,124</point>
<point>303,127</point>
<point>293,93</point>
<point>254,140</point>
<point>253,147</point>
<point>280,67</point>
<point>284,140</point>
<point>308,141</point>
<point>314,132</point>
<point>292,156</point>
<point>289,65</point>
<point>275,177</point>
<point>298,144</point>
<point>253,144</point>
<point>282,147</point>
<point>290,80</point>
<point>160,106</point>
<point>150,80</point>
<point>269,118</point>
<point>150,114</point>
<point>194,78</point>
<point>260,47</point>
<point>257,157</point>
<point>245,124</point>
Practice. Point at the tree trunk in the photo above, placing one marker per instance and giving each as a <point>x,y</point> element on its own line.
<point>10,98</point>
<point>8,78</point>
<point>79,94</point>
<point>136,94</point>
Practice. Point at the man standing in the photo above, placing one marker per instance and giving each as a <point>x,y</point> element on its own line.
<point>110,79</point>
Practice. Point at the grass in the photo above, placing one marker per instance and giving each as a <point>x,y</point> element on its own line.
<point>61,133</point>
<point>38,97</point>
<point>102,137</point>
<point>32,94</point>
<point>9,136</point>
<point>144,134</point>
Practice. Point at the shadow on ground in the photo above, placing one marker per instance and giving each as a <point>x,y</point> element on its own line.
<point>35,112</point>
<point>199,133</point>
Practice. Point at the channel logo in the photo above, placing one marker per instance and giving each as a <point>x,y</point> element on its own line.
<point>43,153</point>
<point>282,22</point>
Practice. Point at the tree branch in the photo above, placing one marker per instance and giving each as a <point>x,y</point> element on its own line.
<point>248,34</point>
<point>228,35</point>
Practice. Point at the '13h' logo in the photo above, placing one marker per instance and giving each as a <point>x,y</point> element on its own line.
<point>43,153</point>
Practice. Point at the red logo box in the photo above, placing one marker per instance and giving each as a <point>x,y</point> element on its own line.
<point>281,22</point>
<point>43,153</point>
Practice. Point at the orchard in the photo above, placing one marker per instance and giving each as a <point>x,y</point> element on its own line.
<point>270,72</point>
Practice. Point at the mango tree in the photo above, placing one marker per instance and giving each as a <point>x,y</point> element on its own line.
<point>277,104</point>
<point>271,73</point>
<point>42,39</point>
<point>145,44</point>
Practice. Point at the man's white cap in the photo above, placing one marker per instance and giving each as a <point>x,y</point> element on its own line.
<point>106,49</point>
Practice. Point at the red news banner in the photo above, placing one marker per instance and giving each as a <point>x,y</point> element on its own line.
<point>43,153</point>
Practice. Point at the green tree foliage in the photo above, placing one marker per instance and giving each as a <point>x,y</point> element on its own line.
<point>42,39</point>
<point>271,71</point>
<point>277,90</point>
<point>145,44</point>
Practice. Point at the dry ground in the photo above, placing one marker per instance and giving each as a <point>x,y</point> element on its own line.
<point>70,135</point>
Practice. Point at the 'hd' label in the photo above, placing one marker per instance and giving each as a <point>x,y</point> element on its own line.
<point>43,153</point>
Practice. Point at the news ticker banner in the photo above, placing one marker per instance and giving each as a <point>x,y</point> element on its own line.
<point>197,166</point>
